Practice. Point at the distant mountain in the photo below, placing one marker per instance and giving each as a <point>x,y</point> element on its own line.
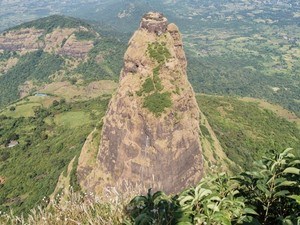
<point>54,49</point>
<point>237,48</point>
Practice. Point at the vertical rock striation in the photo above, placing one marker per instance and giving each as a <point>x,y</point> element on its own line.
<point>151,130</point>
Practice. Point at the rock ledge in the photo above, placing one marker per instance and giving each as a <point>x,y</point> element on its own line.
<point>154,22</point>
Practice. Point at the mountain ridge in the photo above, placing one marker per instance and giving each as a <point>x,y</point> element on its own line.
<point>64,51</point>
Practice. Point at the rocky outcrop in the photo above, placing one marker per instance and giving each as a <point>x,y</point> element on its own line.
<point>153,143</point>
<point>21,40</point>
<point>75,48</point>
<point>60,41</point>
<point>154,22</point>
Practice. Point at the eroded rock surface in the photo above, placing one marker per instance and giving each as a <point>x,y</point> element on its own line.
<point>21,40</point>
<point>139,145</point>
<point>60,41</point>
<point>154,22</point>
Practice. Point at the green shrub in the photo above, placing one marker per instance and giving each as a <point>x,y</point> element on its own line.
<point>157,102</point>
<point>156,79</point>
<point>268,195</point>
<point>273,188</point>
<point>159,52</point>
<point>4,155</point>
<point>148,85</point>
<point>157,208</point>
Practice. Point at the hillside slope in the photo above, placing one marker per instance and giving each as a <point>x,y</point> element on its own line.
<point>224,138</point>
<point>52,50</point>
<point>247,131</point>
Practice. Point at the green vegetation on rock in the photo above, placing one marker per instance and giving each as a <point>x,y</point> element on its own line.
<point>155,100</point>
<point>156,79</point>
<point>158,102</point>
<point>148,85</point>
<point>158,51</point>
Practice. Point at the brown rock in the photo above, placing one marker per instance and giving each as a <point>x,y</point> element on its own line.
<point>60,41</point>
<point>154,22</point>
<point>21,40</point>
<point>138,146</point>
<point>75,48</point>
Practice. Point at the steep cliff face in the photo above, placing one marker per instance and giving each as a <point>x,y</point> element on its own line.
<point>61,41</point>
<point>151,130</point>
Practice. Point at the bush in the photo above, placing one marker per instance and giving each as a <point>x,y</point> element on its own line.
<point>148,85</point>
<point>273,190</point>
<point>159,52</point>
<point>156,79</point>
<point>268,195</point>
<point>157,102</point>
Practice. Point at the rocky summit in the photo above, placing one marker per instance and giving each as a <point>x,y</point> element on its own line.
<point>150,133</point>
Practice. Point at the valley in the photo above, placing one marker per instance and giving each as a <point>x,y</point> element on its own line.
<point>245,48</point>
<point>42,127</point>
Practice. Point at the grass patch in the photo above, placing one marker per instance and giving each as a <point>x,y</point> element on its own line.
<point>72,119</point>
<point>156,79</point>
<point>25,110</point>
<point>158,102</point>
<point>148,85</point>
<point>159,52</point>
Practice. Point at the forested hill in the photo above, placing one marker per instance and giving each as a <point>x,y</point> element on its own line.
<point>248,50</point>
<point>55,49</point>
